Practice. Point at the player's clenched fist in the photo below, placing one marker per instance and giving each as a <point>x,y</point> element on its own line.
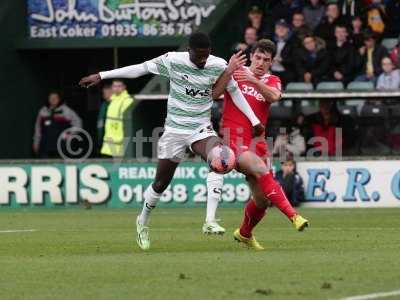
<point>90,80</point>
<point>236,61</point>
<point>244,75</point>
<point>258,130</point>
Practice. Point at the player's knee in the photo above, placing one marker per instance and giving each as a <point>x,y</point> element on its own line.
<point>257,170</point>
<point>261,202</point>
<point>159,186</point>
<point>252,165</point>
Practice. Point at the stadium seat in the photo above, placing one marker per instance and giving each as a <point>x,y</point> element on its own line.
<point>394,129</point>
<point>308,110</point>
<point>394,111</point>
<point>389,44</point>
<point>374,111</point>
<point>348,110</point>
<point>361,86</point>
<point>280,116</point>
<point>299,87</point>
<point>330,86</point>
<point>280,113</point>
<point>373,130</point>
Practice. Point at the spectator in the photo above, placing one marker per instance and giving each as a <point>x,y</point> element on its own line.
<point>52,120</point>
<point>250,37</point>
<point>390,77</point>
<point>299,122</point>
<point>370,58</point>
<point>285,9</point>
<point>291,182</point>
<point>326,29</point>
<point>101,117</point>
<point>312,61</point>
<point>299,27</point>
<point>313,13</point>
<point>350,9</point>
<point>392,10</point>
<point>395,54</point>
<point>289,142</point>
<point>342,57</point>
<point>323,125</point>
<point>114,134</point>
<point>256,20</point>
<point>376,16</point>
<point>283,64</point>
<point>357,36</point>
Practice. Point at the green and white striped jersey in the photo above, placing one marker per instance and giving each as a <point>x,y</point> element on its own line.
<point>190,96</point>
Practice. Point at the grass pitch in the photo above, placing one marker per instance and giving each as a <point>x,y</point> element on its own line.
<point>92,254</point>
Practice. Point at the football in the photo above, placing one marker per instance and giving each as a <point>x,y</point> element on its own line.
<point>221,159</point>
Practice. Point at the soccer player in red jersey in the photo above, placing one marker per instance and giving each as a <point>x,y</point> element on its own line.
<point>253,159</point>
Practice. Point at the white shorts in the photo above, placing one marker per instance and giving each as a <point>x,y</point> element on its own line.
<point>173,145</point>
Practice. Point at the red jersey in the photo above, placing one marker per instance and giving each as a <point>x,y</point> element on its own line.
<point>233,116</point>
<point>237,128</point>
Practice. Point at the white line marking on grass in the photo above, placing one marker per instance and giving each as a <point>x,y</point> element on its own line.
<point>17,230</point>
<point>373,296</point>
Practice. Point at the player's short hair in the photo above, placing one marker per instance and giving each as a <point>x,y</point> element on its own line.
<point>199,40</point>
<point>264,45</point>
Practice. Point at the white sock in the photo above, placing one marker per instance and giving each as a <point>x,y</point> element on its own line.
<point>150,201</point>
<point>214,189</point>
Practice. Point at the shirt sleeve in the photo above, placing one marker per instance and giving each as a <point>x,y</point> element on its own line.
<point>273,81</point>
<point>232,86</point>
<point>159,65</point>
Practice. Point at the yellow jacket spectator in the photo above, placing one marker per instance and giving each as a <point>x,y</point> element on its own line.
<point>113,141</point>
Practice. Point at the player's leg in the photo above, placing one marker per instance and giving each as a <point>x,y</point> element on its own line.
<point>252,165</point>
<point>164,174</point>
<point>165,171</point>
<point>201,143</point>
<point>171,149</point>
<point>254,212</point>
<point>214,189</point>
<point>203,146</point>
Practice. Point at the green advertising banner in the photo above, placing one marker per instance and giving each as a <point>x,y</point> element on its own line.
<point>107,184</point>
<point>116,18</point>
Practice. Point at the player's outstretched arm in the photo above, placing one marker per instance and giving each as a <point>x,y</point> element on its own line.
<point>241,103</point>
<point>236,61</point>
<point>272,94</point>
<point>133,71</point>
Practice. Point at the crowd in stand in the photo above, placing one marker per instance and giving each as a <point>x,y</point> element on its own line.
<point>329,40</point>
<point>342,41</point>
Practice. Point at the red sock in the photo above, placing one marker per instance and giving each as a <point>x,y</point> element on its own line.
<point>273,191</point>
<point>252,215</point>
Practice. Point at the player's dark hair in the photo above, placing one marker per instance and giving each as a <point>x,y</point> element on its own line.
<point>199,40</point>
<point>264,45</point>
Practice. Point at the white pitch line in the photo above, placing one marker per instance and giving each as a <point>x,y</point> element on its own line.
<point>17,230</point>
<point>373,296</point>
